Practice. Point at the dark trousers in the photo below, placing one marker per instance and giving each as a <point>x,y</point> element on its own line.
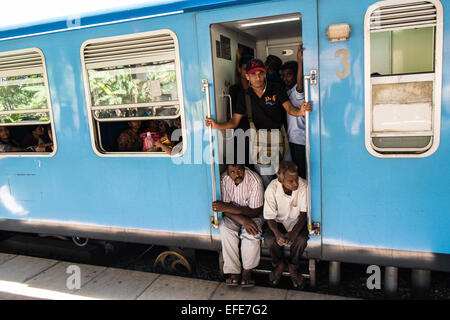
<point>298,154</point>
<point>296,249</point>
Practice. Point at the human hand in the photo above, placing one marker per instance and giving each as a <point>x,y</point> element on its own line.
<point>290,238</point>
<point>39,149</point>
<point>158,144</point>
<point>220,206</point>
<point>281,241</point>
<point>210,122</point>
<point>306,107</point>
<point>250,226</point>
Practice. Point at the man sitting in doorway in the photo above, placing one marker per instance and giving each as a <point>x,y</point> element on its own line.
<point>241,207</point>
<point>285,209</point>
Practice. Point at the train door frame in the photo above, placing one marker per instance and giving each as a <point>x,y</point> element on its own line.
<point>308,11</point>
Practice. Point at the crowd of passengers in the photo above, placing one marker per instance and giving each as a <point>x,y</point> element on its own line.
<point>158,136</point>
<point>38,139</point>
<point>268,96</point>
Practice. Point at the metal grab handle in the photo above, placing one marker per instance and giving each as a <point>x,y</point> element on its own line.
<point>307,79</point>
<point>224,95</point>
<point>205,89</point>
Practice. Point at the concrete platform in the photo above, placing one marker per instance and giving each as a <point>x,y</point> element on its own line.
<point>31,278</point>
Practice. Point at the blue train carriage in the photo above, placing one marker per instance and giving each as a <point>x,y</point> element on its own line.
<point>378,147</point>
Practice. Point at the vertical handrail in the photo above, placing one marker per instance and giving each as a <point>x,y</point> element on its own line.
<point>308,156</point>
<point>224,95</point>
<point>205,89</point>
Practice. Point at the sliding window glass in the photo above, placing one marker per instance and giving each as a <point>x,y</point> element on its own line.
<point>403,72</point>
<point>26,127</point>
<point>134,94</point>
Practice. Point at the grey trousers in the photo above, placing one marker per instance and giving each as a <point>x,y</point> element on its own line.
<point>231,233</point>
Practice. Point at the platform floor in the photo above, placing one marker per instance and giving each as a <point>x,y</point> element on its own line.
<point>23,277</point>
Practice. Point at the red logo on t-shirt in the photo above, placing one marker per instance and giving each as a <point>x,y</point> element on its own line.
<point>271,100</point>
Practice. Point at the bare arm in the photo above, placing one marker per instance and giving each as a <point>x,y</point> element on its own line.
<point>300,68</point>
<point>166,148</point>
<point>232,209</point>
<point>279,237</point>
<point>249,225</point>
<point>297,112</point>
<point>230,124</point>
<point>293,234</point>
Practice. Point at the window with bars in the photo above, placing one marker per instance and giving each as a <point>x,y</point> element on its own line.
<point>403,72</point>
<point>134,77</point>
<point>24,103</point>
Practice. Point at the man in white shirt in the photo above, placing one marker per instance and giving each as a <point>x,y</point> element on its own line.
<point>241,206</point>
<point>285,211</point>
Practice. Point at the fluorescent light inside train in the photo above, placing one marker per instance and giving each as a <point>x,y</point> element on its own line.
<point>252,24</point>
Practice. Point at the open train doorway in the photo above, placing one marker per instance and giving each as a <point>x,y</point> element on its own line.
<point>278,35</point>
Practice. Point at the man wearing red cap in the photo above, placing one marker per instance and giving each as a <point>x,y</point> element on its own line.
<point>265,105</point>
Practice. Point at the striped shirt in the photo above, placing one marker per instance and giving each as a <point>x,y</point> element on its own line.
<point>248,193</point>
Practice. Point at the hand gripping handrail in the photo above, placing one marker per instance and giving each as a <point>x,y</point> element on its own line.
<point>307,79</point>
<point>215,216</point>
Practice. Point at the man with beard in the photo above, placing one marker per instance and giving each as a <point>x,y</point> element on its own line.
<point>241,206</point>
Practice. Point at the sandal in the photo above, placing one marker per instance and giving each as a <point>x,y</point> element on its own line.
<point>232,281</point>
<point>275,275</point>
<point>297,279</point>
<point>246,281</point>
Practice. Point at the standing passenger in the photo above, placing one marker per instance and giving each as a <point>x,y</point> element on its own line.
<point>285,212</point>
<point>273,65</point>
<point>268,103</point>
<point>292,73</point>
<point>242,201</point>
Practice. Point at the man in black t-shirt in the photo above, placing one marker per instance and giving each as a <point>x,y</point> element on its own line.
<point>269,102</point>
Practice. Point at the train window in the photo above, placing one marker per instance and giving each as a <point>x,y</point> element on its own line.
<point>133,79</point>
<point>403,76</point>
<point>25,114</point>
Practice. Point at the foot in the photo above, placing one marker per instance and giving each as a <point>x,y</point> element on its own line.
<point>276,274</point>
<point>246,279</point>
<point>233,280</point>
<point>297,279</point>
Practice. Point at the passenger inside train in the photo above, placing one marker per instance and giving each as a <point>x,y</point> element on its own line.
<point>9,137</point>
<point>285,208</point>
<point>36,137</point>
<point>241,206</point>
<point>129,139</point>
<point>172,139</point>
<point>292,75</point>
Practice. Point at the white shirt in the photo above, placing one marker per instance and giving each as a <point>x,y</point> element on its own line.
<point>284,208</point>
<point>296,125</point>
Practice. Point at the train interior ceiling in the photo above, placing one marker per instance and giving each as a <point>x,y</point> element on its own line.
<point>276,35</point>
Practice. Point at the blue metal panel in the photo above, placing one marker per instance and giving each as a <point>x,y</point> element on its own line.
<point>76,185</point>
<point>373,202</point>
<point>116,14</point>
